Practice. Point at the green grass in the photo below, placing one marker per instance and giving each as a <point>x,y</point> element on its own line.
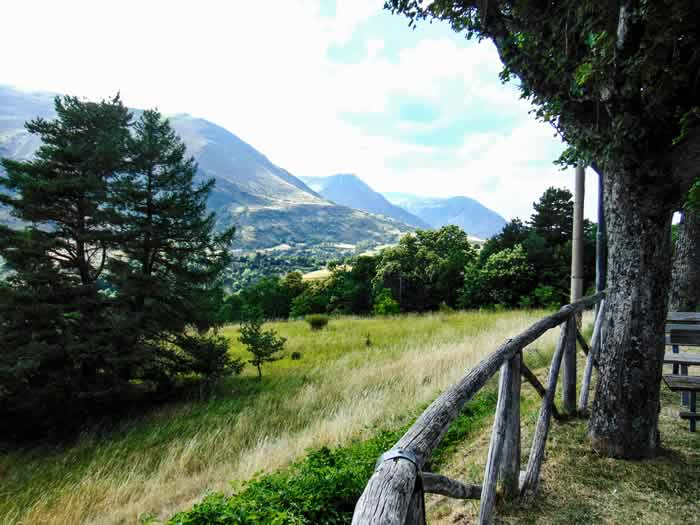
<point>580,487</point>
<point>340,390</point>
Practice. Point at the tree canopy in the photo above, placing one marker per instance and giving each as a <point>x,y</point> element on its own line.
<point>115,279</point>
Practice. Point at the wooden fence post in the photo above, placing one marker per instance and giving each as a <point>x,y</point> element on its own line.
<point>509,474</point>
<point>416,507</point>
<point>390,489</point>
<point>595,348</point>
<point>569,370</point>
<point>539,440</point>
<point>493,461</point>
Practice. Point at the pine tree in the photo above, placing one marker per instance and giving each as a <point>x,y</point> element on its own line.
<point>114,284</point>
<point>54,327</point>
<point>171,263</point>
<point>263,344</point>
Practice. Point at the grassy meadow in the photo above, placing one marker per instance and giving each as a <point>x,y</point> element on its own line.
<point>577,485</point>
<point>340,389</point>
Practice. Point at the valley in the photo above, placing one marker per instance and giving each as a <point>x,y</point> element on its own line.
<point>269,206</point>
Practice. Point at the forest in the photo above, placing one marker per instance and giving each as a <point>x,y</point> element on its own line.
<point>527,265</point>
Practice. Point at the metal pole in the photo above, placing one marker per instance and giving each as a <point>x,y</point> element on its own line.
<point>569,363</point>
<point>577,244</point>
<point>601,249</point>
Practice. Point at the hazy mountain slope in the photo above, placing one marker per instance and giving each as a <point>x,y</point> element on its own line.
<point>267,204</point>
<point>350,190</point>
<point>470,215</point>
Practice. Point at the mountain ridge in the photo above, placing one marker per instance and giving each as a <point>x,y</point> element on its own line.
<point>268,205</point>
<point>350,190</point>
<point>465,212</point>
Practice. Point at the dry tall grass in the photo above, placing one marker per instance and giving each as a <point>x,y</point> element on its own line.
<point>148,471</point>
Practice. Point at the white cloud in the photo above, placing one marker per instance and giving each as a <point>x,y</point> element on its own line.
<point>261,70</point>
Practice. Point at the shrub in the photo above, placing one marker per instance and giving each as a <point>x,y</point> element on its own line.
<point>385,304</point>
<point>548,296</point>
<point>445,308</point>
<point>207,356</point>
<point>317,321</point>
<point>296,356</point>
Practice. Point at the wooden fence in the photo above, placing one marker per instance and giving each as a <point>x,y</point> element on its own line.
<point>394,494</point>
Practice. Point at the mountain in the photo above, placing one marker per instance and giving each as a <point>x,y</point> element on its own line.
<point>469,214</point>
<point>350,190</point>
<point>268,205</point>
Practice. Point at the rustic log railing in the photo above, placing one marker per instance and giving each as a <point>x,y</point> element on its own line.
<point>394,495</point>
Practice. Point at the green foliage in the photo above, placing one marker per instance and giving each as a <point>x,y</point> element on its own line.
<point>693,199</point>
<point>385,304</point>
<point>553,219</point>
<point>263,344</point>
<point>317,321</point>
<point>425,268</point>
<point>508,276</point>
<point>269,297</point>
<point>246,270</point>
<point>545,242</point>
<point>549,296</point>
<point>208,357</point>
<point>323,488</point>
<point>115,282</point>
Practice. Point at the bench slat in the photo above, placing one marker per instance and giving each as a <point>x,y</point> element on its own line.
<point>689,415</point>
<point>683,335</point>
<point>684,317</point>
<point>688,383</point>
<point>682,358</point>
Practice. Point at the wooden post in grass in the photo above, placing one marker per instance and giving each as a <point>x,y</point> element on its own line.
<point>539,440</point>
<point>498,435</point>
<point>509,474</point>
<point>388,492</point>
<point>569,366</point>
<point>590,360</point>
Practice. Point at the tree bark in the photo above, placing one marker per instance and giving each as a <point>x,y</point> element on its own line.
<point>624,417</point>
<point>685,287</point>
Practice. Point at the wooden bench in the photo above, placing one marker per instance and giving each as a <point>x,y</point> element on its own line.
<point>690,384</point>
<point>683,329</point>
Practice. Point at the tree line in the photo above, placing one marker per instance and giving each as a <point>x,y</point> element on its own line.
<point>526,265</point>
<point>114,283</point>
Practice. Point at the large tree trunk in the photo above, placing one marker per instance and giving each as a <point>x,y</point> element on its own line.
<point>625,411</point>
<point>685,288</point>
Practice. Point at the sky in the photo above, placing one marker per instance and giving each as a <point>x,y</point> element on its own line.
<point>320,87</point>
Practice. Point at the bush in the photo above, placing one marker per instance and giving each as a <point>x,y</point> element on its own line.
<point>296,356</point>
<point>548,296</point>
<point>385,304</point>
<point>317,321</point>
<point>445,308</point>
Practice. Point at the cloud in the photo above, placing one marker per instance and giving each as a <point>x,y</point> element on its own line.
<point>319,88</point>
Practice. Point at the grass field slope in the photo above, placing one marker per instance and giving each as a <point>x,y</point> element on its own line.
<point>339,390</point>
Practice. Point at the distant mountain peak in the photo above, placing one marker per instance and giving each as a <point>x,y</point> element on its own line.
<point>465,212</point>
<point>268,205</point>
<point>350,190</point>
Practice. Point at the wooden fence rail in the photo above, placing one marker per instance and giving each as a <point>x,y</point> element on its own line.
<point>394,495</point>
